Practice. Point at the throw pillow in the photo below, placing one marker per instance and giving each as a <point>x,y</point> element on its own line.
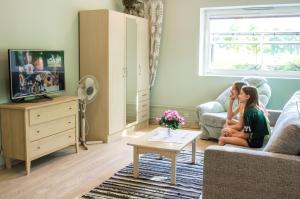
<point>286,139</point>
<point>286,132</point>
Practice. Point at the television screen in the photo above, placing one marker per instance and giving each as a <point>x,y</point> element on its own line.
<point>36,72</point>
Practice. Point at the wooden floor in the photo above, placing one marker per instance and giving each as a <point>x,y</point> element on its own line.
<point>65,174</point>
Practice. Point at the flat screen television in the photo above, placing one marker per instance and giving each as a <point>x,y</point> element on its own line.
<point>35,72</point>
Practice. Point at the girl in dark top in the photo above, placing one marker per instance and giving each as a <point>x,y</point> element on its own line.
<point>255,125</point>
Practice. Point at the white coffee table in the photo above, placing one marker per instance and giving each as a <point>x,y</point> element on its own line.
<point>170,150</point>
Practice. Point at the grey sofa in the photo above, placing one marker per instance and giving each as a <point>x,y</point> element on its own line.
<point>212,115</point>
<point>237,172</point>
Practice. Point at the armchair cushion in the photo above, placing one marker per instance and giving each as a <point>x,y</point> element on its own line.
<point>255,81</point>
<point>216,120</point>
<point>210,107</point>
<point>263,89</point>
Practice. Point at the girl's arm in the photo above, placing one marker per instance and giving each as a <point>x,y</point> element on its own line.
<point>231,122</point>
<point>240,124</point>
<point>230,113</point>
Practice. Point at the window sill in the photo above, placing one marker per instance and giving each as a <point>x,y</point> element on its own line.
<point>241,74</point>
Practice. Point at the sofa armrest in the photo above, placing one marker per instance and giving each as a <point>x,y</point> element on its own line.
<point>231,172</point>
<point>273,116</point>
<point>209,107</point>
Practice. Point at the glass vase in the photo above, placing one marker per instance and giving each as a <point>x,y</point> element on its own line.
<point>170,132</point>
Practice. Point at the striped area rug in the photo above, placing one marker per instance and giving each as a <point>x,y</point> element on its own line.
<point>154,179</point>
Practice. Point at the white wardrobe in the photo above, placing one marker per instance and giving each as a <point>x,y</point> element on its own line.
<point>114,47</point>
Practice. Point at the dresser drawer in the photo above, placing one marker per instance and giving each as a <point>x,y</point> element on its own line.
<point>44,114</point>
<point>143,106</point>
<point>142,116</point>
<point>52,143</point>
<point>46,129</point>
<point>143,95</point>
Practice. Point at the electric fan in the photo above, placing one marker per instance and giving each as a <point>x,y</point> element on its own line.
<point>87,92</point>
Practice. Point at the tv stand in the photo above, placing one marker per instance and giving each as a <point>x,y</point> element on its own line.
<point>19,100</point>
<point>45,97</point>
<point>48,97</point>
<point>36,99</point>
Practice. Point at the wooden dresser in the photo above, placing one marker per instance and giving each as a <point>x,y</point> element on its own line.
<point>32,130</point>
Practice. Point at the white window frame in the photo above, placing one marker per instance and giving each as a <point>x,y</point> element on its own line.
<point>239,11</point>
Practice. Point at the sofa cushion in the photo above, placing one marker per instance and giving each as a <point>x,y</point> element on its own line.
<point>286,132</point>
<point>243,147</point>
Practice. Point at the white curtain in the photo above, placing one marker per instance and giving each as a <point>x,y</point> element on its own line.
<point>154,12</point>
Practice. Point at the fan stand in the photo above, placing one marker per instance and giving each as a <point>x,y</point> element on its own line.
<point>82,116</point>
<point>84,143</point>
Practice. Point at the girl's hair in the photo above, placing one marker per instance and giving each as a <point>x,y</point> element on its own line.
<point>253,100</point>
<point>238,85</point>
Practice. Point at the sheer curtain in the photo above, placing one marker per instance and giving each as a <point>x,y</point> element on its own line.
<point>154,12</point>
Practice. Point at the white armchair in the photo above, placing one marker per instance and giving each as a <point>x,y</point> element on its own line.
<point>212,115</point>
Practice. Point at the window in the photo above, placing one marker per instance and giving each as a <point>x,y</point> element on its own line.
<point>262,40</point>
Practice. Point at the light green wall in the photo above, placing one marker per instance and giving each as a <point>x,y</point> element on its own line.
<point>178,83</point>
<point>44,24</point>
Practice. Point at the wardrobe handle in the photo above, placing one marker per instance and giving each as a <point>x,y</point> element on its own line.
<point>140,69</point>
<point>124,72</point>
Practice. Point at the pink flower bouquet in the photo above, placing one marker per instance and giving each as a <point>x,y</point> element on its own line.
<point>171,119</point>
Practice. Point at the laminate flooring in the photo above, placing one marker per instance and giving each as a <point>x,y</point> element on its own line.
<point>65,174</point>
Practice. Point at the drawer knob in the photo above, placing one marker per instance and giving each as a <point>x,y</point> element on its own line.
<point>70,136</point>
<point>37,131</point>
<point>69,122</point>
<point>38,147</point>
<point>38,115</point>
<point>70,108</point>
<point>144,95</point>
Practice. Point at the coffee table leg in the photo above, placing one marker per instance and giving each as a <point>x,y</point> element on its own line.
<point>194,151</point>
<point>135,162</point>
<point>173,175</point>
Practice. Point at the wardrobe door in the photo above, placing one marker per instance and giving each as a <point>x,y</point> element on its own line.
<point>143,54</point>
<point>116,72</point>
<point>131,70</point>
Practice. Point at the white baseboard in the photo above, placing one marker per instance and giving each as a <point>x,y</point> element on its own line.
<point>188,113</point>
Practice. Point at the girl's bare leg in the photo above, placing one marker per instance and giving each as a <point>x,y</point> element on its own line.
<point>233,140</point>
